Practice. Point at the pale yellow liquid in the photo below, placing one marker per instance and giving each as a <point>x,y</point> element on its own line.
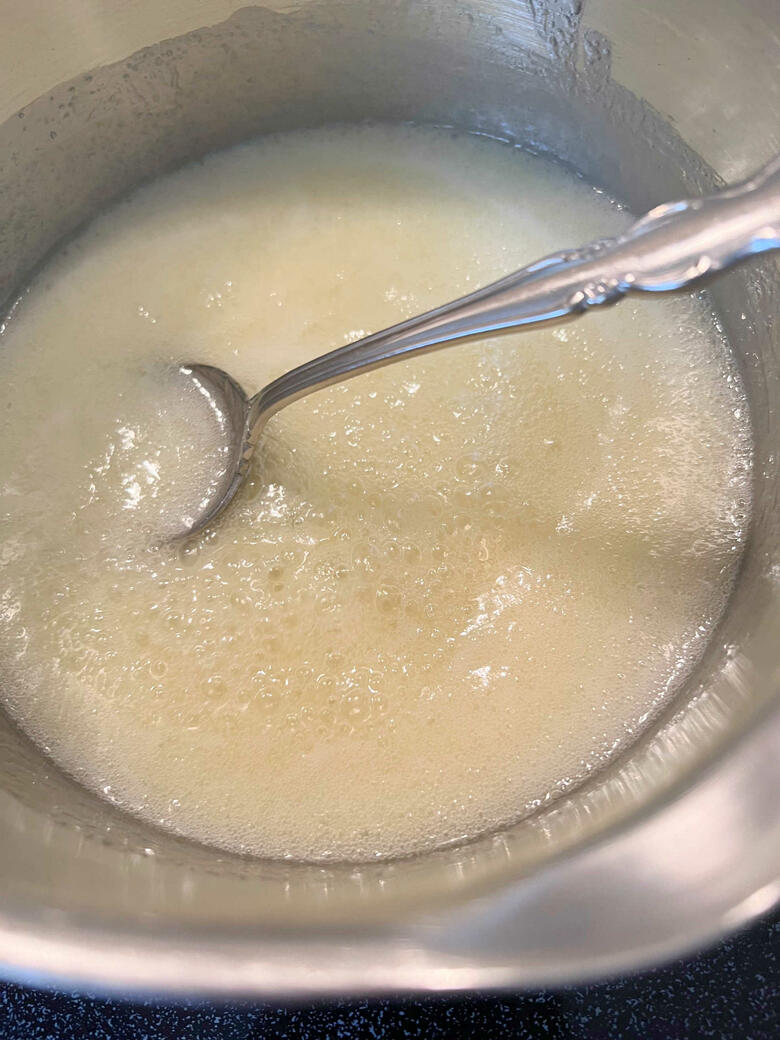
<point>451,589</point>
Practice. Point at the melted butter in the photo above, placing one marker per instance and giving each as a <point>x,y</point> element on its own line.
<point>451,589</point>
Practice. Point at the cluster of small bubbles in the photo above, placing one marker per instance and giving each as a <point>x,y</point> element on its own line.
<point>449,590</point>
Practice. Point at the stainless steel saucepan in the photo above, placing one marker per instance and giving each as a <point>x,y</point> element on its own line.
<point>679,840</point>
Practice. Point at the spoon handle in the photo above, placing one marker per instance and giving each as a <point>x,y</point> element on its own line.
<point>671,247</point>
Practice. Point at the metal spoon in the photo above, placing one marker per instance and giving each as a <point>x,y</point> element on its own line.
<point>671,247</point>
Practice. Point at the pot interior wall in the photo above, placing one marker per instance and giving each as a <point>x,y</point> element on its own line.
<point>535,75</point>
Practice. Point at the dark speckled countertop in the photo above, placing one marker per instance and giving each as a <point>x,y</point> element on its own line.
<point>731,991</point>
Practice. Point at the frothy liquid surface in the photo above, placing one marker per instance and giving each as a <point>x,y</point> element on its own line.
<point>451,589</point>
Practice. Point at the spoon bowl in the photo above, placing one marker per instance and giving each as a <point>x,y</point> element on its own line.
<point>231,404</point>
